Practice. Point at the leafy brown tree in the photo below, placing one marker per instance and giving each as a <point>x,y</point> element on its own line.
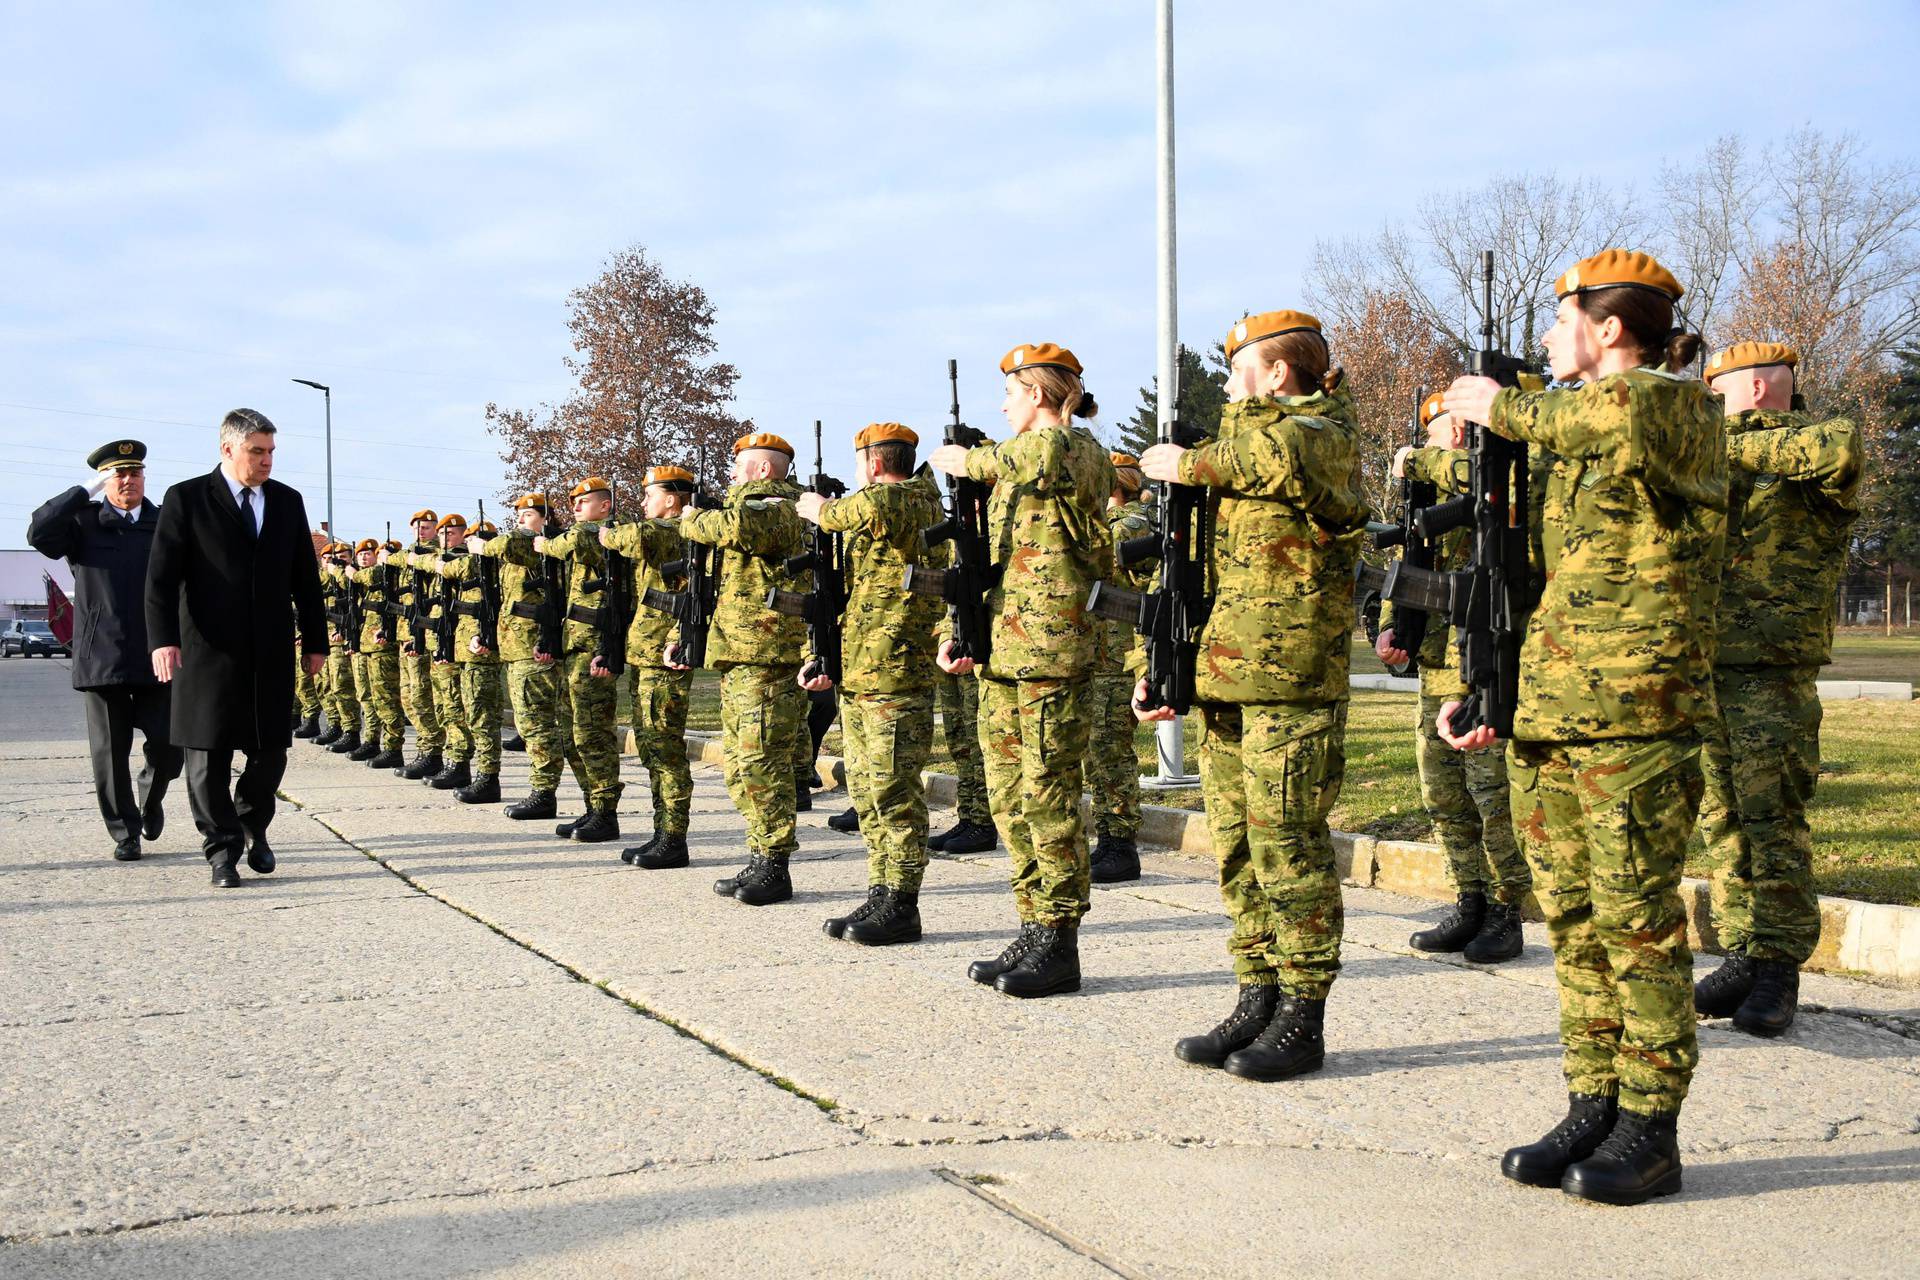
<point>1390,351</point>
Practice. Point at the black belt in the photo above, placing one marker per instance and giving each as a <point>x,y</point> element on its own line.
<point>525,609</point>
<point>580,613</point>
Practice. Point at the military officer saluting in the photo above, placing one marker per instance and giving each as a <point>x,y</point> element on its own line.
<point>1793,484</point>
<point>887,676</point>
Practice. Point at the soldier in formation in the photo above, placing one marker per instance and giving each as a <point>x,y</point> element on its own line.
<point>1113,772</point>
<point>376,665</point>
<point>338,693</point>
<point>456,753</point>
<point>416,648</point>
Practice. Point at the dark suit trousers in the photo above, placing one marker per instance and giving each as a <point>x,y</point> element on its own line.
<point>226,818</point>
<point>112,716</point>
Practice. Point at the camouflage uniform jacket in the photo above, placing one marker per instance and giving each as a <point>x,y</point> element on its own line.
<point>754,537</point>
<point>1048,531</point>
<point>1118,646</point>
<point>889,633</point>
<point>1288,522</point>
<point>377,628</point>
<point>462,568</point>
<point>1448,471</point>
<point>648,545</point>
<point>402,563</point>
<point>586,584</point>
<point>1791,497</point>
<point>520,584</point>
<point>1633,532</point>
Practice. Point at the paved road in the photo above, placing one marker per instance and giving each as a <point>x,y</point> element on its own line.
<point>438,1043</point>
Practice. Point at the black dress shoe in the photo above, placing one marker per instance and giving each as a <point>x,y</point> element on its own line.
<point>763,883</point>
<point>1050,967</point>
<point>1724,990</point>
<point>391,758</point>
<point>896,921</point>
<point>225,875</point>
<point>849,820</point>
<point>1457,928</point>
<point>1769,1008</point>
<point>670,852</point>
<point>308,728</point>
<point>598,827</point>
<point>515,743</point>
<point>127,850</point>
<point>1115,860</point>
<point>1639,1160</point>
<point>348,744</point>
<point>1579,1134</point>
<point>538,804</point>
<point>153,822</point>
<point>1292,1045</point>
<point>259,854</point>
<point>836,926</point>
<point>987,972</point>
<point>451,778</point>
<point>1499,938</point>
<point>366,751</point>
<point>484,789</point>
<point>970,837</point>
<point>422,766</point>
<point>1251,1014</point>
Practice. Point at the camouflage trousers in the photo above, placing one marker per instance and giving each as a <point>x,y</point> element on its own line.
<point>759,714</point>
<point>959,700</point>
<point>1466,798</point>
<point>306,687</point>
<point>416,700</point>
<point>445,677</point>
<point>483,702</point>
<point>1270,775</point>
<point>545,720</point>
<point>1033,738</point>
<point>1113,767</point>
<point>593,702</point>
<point>338,693</point>
<point>1605,827</point>
<point>1762,760</point>
<point>888,736</point>
<point>376,674</point>
<point>660,698</point>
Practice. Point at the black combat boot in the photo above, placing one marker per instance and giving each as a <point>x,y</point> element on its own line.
<point>1769,1008</point>
<point>565,829</point>
<point>1457,928</point>
<point>897,920</point>
<point>966,837</point>
<point>987,972</point>
<point>392,758</point>
<point>421,767</point>
<point>1723,991</point>
<point>667,853</point>
<point>1242,1027</point>
<point>1115,860</point>
<point>329,736</point>
<point>802,794</point>
<point>633,851</point>
<point>367,750</point>
<point>515,743</point>
<point>347,744</point>
<point>847,821</point>
<point>538,804</point>
<point>484,789</point>
<point>1292,1045</point>
<point>1639,1160</point>
<point>1588,1120</point>
<point>308,728</point>
<point>598,827</point>
<point>1499,937</point>
<point>763,883</point>
<point>1050,967</point>
<point>451,778</point>
<point>836,927</point>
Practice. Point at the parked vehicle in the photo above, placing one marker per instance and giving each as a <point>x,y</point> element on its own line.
<point>28,638</point>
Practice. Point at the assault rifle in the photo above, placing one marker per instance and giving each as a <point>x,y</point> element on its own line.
<point>1488,601</point>
<point>553,597</point>
<point>487,574</point>
<point>446,626</point>
<point>388,579</point>
<point>1171,615</point>
<point>826,560</point>
<point>965,584</point>
<point>1374,584</point>
<point>420,610</point>
<point>356,606</point>
<point>693,604</point>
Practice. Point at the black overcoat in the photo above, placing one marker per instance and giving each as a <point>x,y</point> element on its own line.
<point>109,558</point>
<point>221,595</point>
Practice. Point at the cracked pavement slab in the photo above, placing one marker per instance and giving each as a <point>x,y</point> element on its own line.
<point>437,1041</point>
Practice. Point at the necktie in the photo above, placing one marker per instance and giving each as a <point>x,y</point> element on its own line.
<point>246,512</point>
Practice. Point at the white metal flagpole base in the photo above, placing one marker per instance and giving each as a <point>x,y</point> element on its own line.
<point>1169,737</point>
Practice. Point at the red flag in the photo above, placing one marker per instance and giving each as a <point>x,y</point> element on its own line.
<point>59,611</point>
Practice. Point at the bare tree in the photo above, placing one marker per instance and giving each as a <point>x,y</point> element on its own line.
<point>1708,215</point>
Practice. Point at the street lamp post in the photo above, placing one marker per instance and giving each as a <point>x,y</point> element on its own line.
<point>326,391</point>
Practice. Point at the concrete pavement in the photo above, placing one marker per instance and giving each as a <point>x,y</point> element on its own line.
<point>437,1042</point>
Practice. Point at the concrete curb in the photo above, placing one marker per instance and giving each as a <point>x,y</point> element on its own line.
<point>1873,938</point>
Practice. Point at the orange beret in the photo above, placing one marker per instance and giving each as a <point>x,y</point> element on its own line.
<point>885,433</point>
<point>1431,407</point>
<point>367,544</point>
<point>1617,269</point>
<point>761,440</point>
<point>484,527</point>
<point>1040,355</point>
<point>536,501</point>
<point>1750,355</point>
<point>675,479</point>
<point>451,520</point>
<point>425,513</point>
<point>1269,324</point>
<point>1120,459</point>
<point>391,545</point>
<point>592,484</point>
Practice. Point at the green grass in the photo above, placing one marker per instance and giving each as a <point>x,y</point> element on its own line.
<point>1866,653</point>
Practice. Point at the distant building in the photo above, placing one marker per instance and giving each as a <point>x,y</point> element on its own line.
<point>23,591</point>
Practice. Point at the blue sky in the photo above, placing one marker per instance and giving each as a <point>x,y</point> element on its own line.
<point>199,202</point>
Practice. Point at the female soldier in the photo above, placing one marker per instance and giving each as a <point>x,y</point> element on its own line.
<point>1049,534</point>
<point>1272,681</point>
<point>1615,682</point>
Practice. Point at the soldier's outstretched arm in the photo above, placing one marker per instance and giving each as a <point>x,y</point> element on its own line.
<point>1574,422</point>
<point>1262,463</point>
<point>1827,452</point>
<point>844,515</point>
<point>1447,469</point>
<point>626,539</point>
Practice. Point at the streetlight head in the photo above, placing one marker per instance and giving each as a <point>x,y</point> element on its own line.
<point>317,386</point>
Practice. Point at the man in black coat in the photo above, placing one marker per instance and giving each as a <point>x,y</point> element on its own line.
<point>231,549</point>
<point>106,533</point>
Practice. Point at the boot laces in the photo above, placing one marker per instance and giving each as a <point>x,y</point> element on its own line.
<point>1017,950</point>
<point>1574,1126</point>
<point>1770,984</point>
<point>1630,1133</point>
<point>1737,970</point>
